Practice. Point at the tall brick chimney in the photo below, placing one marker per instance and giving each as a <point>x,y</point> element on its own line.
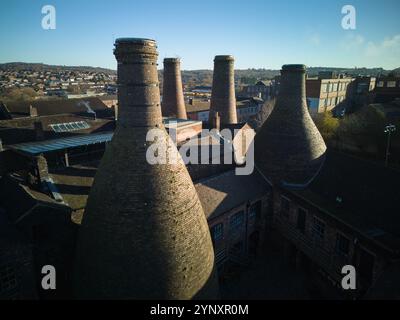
<point>223,98</point>
<point>289,148</point>
<point>39,132</point>
<point>173,103</point>
<point>144,234</point>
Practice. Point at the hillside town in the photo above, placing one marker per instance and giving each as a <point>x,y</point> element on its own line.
<point>164,180</point>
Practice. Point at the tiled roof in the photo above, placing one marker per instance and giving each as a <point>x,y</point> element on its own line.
<point>21,130</point>
<point>59,106</point>
<point>19,199</point>
<point>226,191</point>
<point>362,194</point>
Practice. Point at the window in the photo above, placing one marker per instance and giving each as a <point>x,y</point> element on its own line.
<point>237,220</point>
<point>254,211</point>
<point>324,88</point>
<point>237,248</point>
<point>391,84</point>
<point>342,244</point>
<point>335,87</point>
<point>301,220</point>
<point>366,265</point>
<point>318,231</point>
<point>8,279</point>
<point>380,84</point>
<point>285,206</point>
<point>217,232</point>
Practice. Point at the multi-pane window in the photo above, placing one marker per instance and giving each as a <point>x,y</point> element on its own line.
<point>301,220</point>
<point>380,84</point>
<point>285,206</point>
<point>217,232</point>
<point>342,244</point>
<point>254,211</point>
<point>366,265</point>
<point>318,231</point>
<point>391,84</point>
<point>8,278</point>
<point>237,220</point>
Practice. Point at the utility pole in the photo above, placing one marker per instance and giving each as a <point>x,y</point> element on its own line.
<point>389,129</point>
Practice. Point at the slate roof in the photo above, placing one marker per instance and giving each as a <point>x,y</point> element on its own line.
<point>227,191</point>
<point>362,194</point>
<point>199,105</point>
<point>18,199</point>
<point>21,130</point>
<point>59,106</point>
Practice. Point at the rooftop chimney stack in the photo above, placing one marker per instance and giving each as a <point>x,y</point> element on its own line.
<point>39,132</point>
<point>215,120</point>
<point>42,168</point>
<point>223,98</point>
<point>173,103</point>
<point>289,149</point>
<point>144,234</point>
<point>33,111</point>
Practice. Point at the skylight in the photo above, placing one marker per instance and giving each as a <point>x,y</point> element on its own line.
<point>70,126</point>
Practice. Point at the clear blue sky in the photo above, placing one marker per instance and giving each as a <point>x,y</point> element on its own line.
<point>259,33</point>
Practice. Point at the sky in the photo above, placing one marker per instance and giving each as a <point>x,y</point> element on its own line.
<point>259,33</point>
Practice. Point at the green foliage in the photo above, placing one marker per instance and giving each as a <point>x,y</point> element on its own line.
<point>364,127</point>
<point>361,132</point>
<point>18,95</point>
<point>327,125</point>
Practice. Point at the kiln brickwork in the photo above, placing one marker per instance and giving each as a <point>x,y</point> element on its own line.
<point>144,234</point>
<point>173,103</point>
<point>289,148</point>
<point>223,98</point>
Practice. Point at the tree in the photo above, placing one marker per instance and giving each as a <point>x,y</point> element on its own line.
<point>327,125</point>
<point>363,130</point>
<point>19,95</point>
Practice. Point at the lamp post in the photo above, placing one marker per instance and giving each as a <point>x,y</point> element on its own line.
<point>389,129</point>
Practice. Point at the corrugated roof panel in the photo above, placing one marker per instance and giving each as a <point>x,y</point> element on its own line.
<point>34,148</point>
